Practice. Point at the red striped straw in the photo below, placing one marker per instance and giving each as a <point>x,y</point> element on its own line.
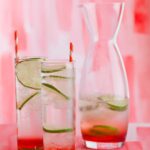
<point>16,43</point>
<point>71,51</point>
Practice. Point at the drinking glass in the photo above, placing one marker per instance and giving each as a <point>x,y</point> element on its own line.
<point>57,95</point>
<point>29,110</point>
<point>104,89</point>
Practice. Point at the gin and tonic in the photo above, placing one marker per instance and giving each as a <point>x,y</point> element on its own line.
<point>58,105</point>
<point>104,119</point>
<point>29,114</point>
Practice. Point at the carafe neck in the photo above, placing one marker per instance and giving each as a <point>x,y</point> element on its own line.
<point>103,19</point>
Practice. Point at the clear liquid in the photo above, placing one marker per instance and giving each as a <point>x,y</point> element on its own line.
<point>58,108</point>
<point>29,116</point>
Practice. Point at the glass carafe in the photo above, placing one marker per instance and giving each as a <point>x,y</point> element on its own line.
<point>104,93</point>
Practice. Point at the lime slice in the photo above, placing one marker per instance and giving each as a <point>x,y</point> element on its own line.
<point>57,77</point>
<point>119,105</point>
<point>57,130</point>
<point>114,102</point>
<point>28,72</point>
<point>54,89</point>
<point>22,103</point>
<point>100,130</point>
<point>53,68</point>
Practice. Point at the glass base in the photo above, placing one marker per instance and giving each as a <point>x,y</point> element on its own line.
<point>30,143</point>
<point>104,146</point>
<point>34,148</point>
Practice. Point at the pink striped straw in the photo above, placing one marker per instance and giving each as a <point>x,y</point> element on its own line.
<point>71,51</point>
<point>16,43</point>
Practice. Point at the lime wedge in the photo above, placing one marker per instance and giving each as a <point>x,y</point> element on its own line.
<point>57,130</point>
<point>54,68</point>
<point>99,130</point>
<point>22,103</point>
<point>28,72</point>
<point>114,102</point>
<point>54,89</point>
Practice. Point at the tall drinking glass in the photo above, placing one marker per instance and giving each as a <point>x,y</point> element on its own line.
<point>104,88</point>
<point>29,110</point>
<point>58,105</point>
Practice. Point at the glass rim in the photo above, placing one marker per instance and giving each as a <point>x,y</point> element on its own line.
<point>57,61</point>
<point>45,59</point>
<point>29,57</point>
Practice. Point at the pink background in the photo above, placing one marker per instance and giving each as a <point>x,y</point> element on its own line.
<point>45,27</point>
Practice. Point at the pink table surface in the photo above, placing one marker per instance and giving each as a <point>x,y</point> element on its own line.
<point>8,139</point>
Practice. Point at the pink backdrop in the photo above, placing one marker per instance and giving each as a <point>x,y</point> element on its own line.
<point>45,27</point>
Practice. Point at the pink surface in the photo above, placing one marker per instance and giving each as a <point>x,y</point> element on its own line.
<point>8,139</point>
<point>127,146</point>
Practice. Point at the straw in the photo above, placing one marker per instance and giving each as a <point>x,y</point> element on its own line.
<point>71,51</point>
<point>16,43</point>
